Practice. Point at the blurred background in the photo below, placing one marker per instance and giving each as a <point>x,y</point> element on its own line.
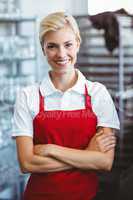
<point>106,55</point>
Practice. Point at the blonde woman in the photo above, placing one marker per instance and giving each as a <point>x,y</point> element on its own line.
<point>64,126</point>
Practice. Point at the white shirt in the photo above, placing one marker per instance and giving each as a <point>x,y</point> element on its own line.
<point>27,103</point>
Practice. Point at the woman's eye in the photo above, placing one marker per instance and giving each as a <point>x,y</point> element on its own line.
<point>69,45</point>
<point>50,46</point>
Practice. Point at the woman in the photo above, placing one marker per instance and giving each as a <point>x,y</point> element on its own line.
<point>64,126</point>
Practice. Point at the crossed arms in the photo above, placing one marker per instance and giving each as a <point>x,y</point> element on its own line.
<point>98,155</point>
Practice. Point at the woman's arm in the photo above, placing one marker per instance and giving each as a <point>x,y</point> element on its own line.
<point>29,162</point>
<point>83,159</point>
<point>103,141</point>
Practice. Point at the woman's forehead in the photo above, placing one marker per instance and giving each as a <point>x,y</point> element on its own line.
<point>62,34</point>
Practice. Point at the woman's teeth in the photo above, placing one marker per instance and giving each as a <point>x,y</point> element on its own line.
<point>63,62</point>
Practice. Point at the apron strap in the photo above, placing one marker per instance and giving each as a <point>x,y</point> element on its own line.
<point>41,102</point>
<point>87,99</point>
<point>86,90</point>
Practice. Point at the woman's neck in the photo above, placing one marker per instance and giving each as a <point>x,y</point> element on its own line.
<point>63,81</point>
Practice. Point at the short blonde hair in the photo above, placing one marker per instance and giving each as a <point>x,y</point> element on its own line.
<point>56,21</point>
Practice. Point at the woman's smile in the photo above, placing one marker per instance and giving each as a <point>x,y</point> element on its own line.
<point>62,63</point>
<point>61,49</point>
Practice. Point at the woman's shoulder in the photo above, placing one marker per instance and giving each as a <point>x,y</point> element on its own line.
<point>30,89</point>
<point>28,93</point>
<point>95,88</point>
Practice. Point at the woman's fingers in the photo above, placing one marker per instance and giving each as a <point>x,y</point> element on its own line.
<point>41,149</point>
<point>107,148</point>
<point>102,142</point>
<point>106,142</point>
<point>38,149</point>
<point>106,137</point>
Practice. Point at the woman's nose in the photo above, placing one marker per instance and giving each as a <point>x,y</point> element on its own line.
<point>61,52</point>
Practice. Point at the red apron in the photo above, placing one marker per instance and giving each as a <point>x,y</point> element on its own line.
<point>72,129</point>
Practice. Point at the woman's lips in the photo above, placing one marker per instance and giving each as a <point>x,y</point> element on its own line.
<point>62,62</point>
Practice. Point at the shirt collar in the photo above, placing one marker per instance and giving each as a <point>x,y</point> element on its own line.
<point>47,87</point>
<point>79,87</point>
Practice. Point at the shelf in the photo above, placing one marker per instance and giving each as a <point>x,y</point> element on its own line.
<point>16,18</point>
<point>5,60</point>
<point>15,49</point>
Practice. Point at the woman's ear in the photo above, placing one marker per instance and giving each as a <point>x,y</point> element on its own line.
<point>43,51</point>
<point>42,45</point>
<point>78,46</point>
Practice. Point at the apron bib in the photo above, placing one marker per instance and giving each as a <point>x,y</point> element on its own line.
<point>74,129</point>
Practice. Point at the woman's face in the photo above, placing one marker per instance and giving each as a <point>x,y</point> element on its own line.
<point>60,48</point>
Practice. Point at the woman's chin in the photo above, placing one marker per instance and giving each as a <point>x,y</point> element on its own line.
<point>60,71</point>
<point>63,70</point>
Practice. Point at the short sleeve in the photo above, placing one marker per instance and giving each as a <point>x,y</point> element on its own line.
<point>105,110</point>
<point>22,120</point>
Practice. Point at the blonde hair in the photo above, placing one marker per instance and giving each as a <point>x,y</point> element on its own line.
<point>56,21</point>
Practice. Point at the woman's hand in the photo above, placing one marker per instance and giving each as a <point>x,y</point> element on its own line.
<point>102,142</point>
<point>39,149</point>
<point>44,149</point>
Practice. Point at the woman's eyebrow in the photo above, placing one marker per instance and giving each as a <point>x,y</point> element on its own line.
<point>68,41</point>
<point>51,43</point>
<point>56,44</point>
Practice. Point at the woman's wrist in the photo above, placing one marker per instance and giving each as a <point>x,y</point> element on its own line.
<point>52,150</point>
<point>46,149</point>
